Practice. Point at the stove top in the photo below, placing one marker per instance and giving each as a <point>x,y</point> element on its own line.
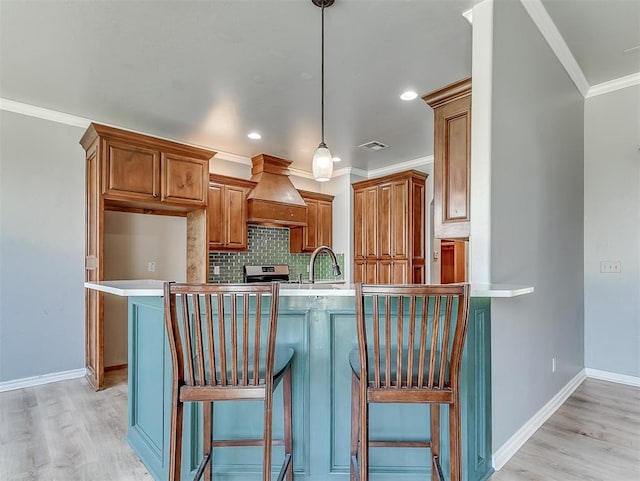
<point>265,273</point>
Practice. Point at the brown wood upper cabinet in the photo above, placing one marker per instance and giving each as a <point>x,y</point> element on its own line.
<point>452,153</point>
<point>137,173</point>
<point>150,171</point>
<point>227,213</point>
<point>319,228</point>
<point>389,227</point>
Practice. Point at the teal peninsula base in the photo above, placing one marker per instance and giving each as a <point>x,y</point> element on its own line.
<point>321,329</point>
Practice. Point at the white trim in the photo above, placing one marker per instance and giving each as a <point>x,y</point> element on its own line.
<point>468,14</point>
<point>613,377</point>
<point>550,32</point>
<point>402,166</point>
<point>228,156</point>
<point>615,84</point>
<point>357,171</point>
<point>301,173</point>
<point>46,114</point>
<point>43,379</point>
<point>515,442</point>
<point>343,171</point>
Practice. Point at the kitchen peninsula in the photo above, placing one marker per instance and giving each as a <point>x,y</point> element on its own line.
<point>317,320</point>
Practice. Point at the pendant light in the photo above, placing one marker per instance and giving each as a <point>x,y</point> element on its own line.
<point>322,160</point>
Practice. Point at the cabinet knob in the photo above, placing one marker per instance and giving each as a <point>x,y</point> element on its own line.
<point>155,196</point>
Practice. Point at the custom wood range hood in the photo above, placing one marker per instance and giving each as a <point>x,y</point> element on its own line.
<point>274,200</point>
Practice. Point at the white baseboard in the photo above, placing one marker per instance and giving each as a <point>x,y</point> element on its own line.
<point>44,379</point>
<point>515,442</point>
<point>613,377</point>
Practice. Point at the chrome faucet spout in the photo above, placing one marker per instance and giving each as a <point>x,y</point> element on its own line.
<point>312,261</point>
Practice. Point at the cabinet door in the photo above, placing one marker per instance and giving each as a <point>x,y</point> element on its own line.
<point>130,172</point>
<point>358,225</point>
<point>399,272</point>
<point>215,215</point>
<point>371,272</point>
<point>385,272</point>
<point>310,232</point>
<point>399,219</point>
<point>325,223</point>
<point>359,271</point>
<point>370,222</point>
<point>452,147</point>
<point>235,214</point>
<point>184,180</point>
<point>385,221</point>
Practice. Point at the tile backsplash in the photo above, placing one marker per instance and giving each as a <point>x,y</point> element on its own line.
<point>269,245</point>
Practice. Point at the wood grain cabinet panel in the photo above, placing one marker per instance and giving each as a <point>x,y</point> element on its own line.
<point>227,213</point>
<point>184,179</point>
<point>388,222</point>
<point>131,172</point>
<point>319,229</point>
<point>452,153</point>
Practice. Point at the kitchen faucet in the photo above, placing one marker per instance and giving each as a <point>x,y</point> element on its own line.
<point>314,254</point>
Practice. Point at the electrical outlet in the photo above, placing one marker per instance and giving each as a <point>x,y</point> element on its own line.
<point>610,267</point>
<point>553,364</point>
<point>151,267</point>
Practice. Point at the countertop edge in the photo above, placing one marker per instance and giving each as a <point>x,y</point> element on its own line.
<point>153,288</point>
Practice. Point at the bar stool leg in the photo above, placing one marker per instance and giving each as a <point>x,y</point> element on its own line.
<point>207,436</point>
<point>175,442</point>
<point>454,429</point>
<point>267,436</point>
<point>364,437</point>
<point>355,420</point>
<point>435,430</point>
<point>288,415</point>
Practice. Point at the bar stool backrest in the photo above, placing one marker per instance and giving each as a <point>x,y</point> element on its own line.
<point>219,334</point>
<point>411,337</point>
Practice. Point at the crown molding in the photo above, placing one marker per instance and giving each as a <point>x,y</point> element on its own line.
<point>228,156</point>
<point>550,32</point>
<point>75,121</point>
<point>613,85</point>
<point>41,113</point>
<point>402,166</point>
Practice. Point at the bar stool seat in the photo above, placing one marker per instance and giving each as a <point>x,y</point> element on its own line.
<point>222,350</point>
<point>410,343</point>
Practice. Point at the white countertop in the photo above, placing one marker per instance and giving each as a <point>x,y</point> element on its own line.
<point>154,288</point>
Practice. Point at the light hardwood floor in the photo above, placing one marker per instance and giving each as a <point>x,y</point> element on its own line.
<point>593,436</point>
<point>65,431</point>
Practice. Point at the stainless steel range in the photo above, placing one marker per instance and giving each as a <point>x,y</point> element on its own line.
<point>266,273</point>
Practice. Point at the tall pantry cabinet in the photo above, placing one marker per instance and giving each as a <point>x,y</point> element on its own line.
<point>389,229</point>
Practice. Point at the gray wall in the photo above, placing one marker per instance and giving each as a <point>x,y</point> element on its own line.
<point>537,221</point>
<point>41,247</point>
<point>612,231</point>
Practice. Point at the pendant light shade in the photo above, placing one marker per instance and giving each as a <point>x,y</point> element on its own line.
<point>322,163</point>
<point>322,166</point>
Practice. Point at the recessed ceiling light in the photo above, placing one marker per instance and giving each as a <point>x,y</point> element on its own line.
<point>408,95</point>
<point>254,136</point>
<point>336,159</point>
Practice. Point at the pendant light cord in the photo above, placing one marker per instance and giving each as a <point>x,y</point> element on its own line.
<point>322,76</point>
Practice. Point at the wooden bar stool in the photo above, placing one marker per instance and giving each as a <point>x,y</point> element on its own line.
<point>410,342</point>
<point>223,350</point>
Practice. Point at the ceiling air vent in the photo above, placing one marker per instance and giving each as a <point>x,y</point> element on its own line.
<point>373,146</point>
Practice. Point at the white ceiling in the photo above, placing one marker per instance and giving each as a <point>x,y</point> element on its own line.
<point>209,72</point>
